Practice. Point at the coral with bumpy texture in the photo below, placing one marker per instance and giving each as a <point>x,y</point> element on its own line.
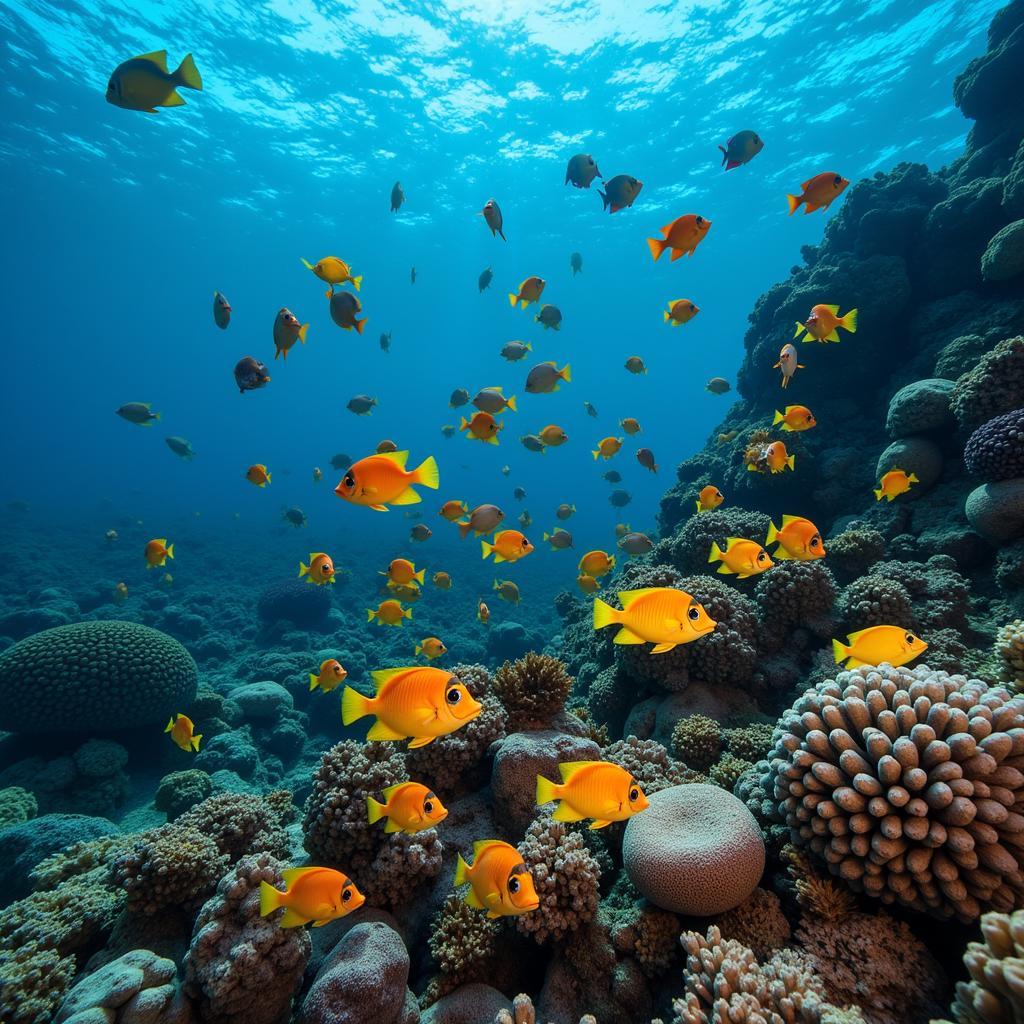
<point>750,742</point>
<point>94,676</point>
<point>648,762</point>
<point>727,771</point>
<point>795,594</point>
<point>35,981</point>
<point>294,601</point>
<point>454,763</point>
<point>241,823</point>
<point>993,387</point>
<point>242,968</point>
<point>566,877</point>
<point>868,959</point>
<point>995,451</point>
<point>697,740</point>
<point>854,551</point>
<point>757,923</point>
<point>524,1012</point>
<point>462,942</point>
<point>16,805</point>
<point>906,783</point>
<point>533,690</point>
<point>993,992</point>
<point>1009,649</point>
<point>874,601</point>
<point>181,791</point>
<point>401,866</point>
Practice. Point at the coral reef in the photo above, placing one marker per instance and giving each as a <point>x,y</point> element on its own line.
<point>995,451</point>
<point>758,923</point>
<point>35,980</point>
<point>697,740</point>
<point>533,690</point>
<point>294,602</point>
<point>993,387</point>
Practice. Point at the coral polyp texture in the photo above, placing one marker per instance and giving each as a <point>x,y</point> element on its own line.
<point>905,783</point>
<point>94,676</point>
<point>995,451</point>
<point>533,690</point>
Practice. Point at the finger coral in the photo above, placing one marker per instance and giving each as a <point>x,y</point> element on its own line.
<point>905,782</point>
<point>533,690</point>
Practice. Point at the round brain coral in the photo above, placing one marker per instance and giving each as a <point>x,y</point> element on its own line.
<point>696,850</point>
<point>94,676</point>
<point>907,783</point>
<point>995,451</point>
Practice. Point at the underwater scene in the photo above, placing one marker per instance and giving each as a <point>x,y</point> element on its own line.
<point>513,512</point>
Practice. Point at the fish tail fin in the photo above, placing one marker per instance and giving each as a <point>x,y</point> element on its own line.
<point>461,871</point>
<point>170,550</point>
<point>913,478</point>
<point>188,74</point>
<point>596,453</point>
<point>417,649</point>
<point>370,613</point>
<point>850,321</point>
<point>567,374</point>
<point>195,740</point>
<point>716,552</point>
<point>314,681</point>
<point>375,810</point>
<point>306,263</point>
<point>840,651</point>
<point>512,300</point>
<point>407,613</point>
<point>725,154</point>
<point>303,331</point>
<point>511,404</point>
<point>604,199</point>
<point>657,247</point>
<point>303,569</point>
<point>791,461</point>
<point>773,534</point>
<point>419,576</point>
<point>665,317</point>
<point>878,493</point>
<point>426,473</point>
<point>778,417</point>
<point>357,282</point>
<point>794,202</point>
<point>485,548</point>
<point>502,233</point>
<point>604,614</point>
<point>545,790</point>
<point>270,899</point>
<point>354,705</point>
<point>360,324</point>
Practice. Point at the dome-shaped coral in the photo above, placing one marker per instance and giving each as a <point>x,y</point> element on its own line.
<point>533,690</point>
<point>994,386</point>
<point>995,451</point>
<point>94,676</point>
<point>296,602</point>
<point>905,782</point>
<point>795,594</point>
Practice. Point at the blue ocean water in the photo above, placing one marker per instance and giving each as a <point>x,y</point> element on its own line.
<point>120,225</point>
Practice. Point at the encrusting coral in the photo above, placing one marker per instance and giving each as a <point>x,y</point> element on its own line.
<point>727,771</point>
<point>697,741</point>
<point>16,805</point>
<point>905,782</point>
<point>750,742</point>
<point>648,762</point>
<point>533,690</point>
<point>758,923</point>
<point>35,981</point>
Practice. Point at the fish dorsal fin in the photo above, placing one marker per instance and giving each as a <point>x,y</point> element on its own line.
<point>568,769</point>
<point>803,187</point>
<point>498,389</point>
<point>398,458</point>
<point>667,228</point>
<point>385,675</point>
<point>482,844</point>
<point>627,597</point>
<point>786,520</point>
<point>852,638</point>
<point>834,310</point>
<point>291,875</point>
<point>157,57</point>
<point>392,790</point>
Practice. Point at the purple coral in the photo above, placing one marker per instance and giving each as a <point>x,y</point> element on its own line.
<point>995,451</point>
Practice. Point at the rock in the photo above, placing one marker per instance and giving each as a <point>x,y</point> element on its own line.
<point>507,641</point>
<point>696,850</point>
<point>362,981</point>
<point>469,1004</point>
<point>915,455</point>
<point>1013,185</point>
<point>1004,257</point>
<point>519,759</point>
<point>265,699</point>
<point>919,407</point>
<point>960,355</point>
<point>996,510</point>
<point>990,87</point>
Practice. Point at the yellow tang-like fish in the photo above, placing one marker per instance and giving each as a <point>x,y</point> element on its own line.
<point>607,447</point>
<point>823,321</point>
<point>592,789</point>
<point>388,613</point>
<point>742,557</point>
<point>508,546</point>
<point>330,676</point>
<point>499,881</point>
<point>401,570</point>
<point>381,480</point>
<point>798,539</point>
<point>709,498</point>
<point>183,732</point>
<point>320,569</point>
<point>409,807</point>
<point>320,895</point>
<point>894,483</point>
<point>663,616</point>
<point>877,644</point>
<point>431,646</point>
<point>332,271</point>
<point>795,418</point>
<point>419,702</point>
<point>597,564</point>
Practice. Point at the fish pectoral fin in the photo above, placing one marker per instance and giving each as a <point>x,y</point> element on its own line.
<point>599,823</point>
<point>392,826</point>
<point>663,648</point>
<point>565,813</point>
<point>173,100</point>
<point>493,899</point>
<point>321,923</point>
<point>407,497</point>
<point>420,741</point>
<point>627,636</point>
<point>380,731</point>
<point>492,915</point>
<point>473,900</point>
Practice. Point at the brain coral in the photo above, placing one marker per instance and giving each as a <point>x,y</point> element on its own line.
<point>94,676</point>
<point>906,782</point>
<point>695,850</point>
<point>995,451</point>
<point>994,990</point>
<point>994,386</point>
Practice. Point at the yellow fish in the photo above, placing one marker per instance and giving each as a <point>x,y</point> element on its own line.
<point>680,311</point>
<point>483,613</point>
<point>482,426</point>
<point>389,613</point>
<point>333,271</point>
<point>320,895</point>
<point>401,570</point>
<point>432,647</point>
<point>330,676</point>
<point>597,563</point>
<point>877,644</point>
<point>798,539</point>
<point>795,418</point>
<point>823,322</point>
<point>320,569</point>
<point>183,732</point>
<point>709,498</point>
<point>588,584</point>
<point>144,83</point>
<point>592,789</point>
<point>499,881</point>
<point>607,447</point>
<point>508,546</point>
<point>893,484</point>
<point>529,291</point>
<point>776,458</point>
<point>381,480</point>
<point>742,557</point>
<point>258,475</point>
<point>453,510</point>
<point>663,616</point>
<point>157,552</point>
<point>441,580</point>
<point>419,702</point>
<point>409,807</point>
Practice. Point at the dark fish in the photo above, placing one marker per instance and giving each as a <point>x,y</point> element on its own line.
<point>613,476</point>
<point>718,386</point>
<point>532,443</point>
<point>591,411</point>
<point>448,430</point>
<point>741,148</point>
<point>386,446</point>
<point>559,539</point>
<point>484,280</point>
<point>341,461</point>
<point>636,544</point>
<point>361,405</point>
<point>549,316</point>
<point>412,275</point>
<point>385,342</point>
<point>513,351</point>
<point>492,215</point>
<point>646,459</point>
<point>519,493</point>
<point>525,519</point>
<point>397,197</point>
<point>295,516</point>
<point>138,413</point>
<point>421,532</point>
<point>250,374</point>
<point>582,170</point>
<point>575,263</point>
<point>460,396</point>
<point>181,447</point>
<point>620,498</point>
<point>620,192</point>
<point>344,307</point>
<point>221,311</point>
<point>564,511</point>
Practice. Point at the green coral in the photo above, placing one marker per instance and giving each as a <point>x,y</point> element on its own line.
<point>750,742</point>
<point>697,739</point>
<point>16,805</point>
<point>728,770</point>
<point>181,791</point>
<point>35,981</point>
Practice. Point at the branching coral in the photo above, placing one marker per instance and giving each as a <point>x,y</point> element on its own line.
<point>906,783</point>
<point>533,690</point>
<point>524,1012</point>
<point>821,897</point>
<point>639,929</point>
<point>566,876</point>
<point>995,966</point>
<point>402,864</point>
<point>648,762</point>
<point>995,451</point>
<point>463,943</point>
<point>697,740</point>
<point>242,968</point>
<point>758,923</point>
<point>35,981</point>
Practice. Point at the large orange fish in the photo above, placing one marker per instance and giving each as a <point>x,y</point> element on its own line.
<point>663,616</point>
<point>682,236</point>
<point>709,498</point>
<point>320,895</point>
<point>419,702</point>
<point>894,483</point>
<point>401,570</point>
<point>508,546</point>
<point>331,675</point>
<point>798,539</point>
<point>381,480</point>
<point>818,192</point>
<point>529,291</point>
<point>596,564</point>
<point>592,789</point>
<point>795,418</point>
<point>499,881</point>
<point>823,321</point>
<point>409,807</point>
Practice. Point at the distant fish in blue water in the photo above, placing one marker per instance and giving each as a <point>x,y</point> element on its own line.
<point>287,330</point>
<point>320,570</point>
<point>397,197</point>
<point>156,553</point>
<point>529,290</point>
<point>636,544</point>
<point>143,83</point>
<point>333,271</point>
<point>818,193</point>
<point>620,192</point>
<point>421,532</point>
<point>741,149</point>
<point>258,474</point>
<point>181,447</point>
<point>482,520</point>
<point>344,309</point>
<point>718,386</point>
<point>581,171</point>
<point>361,405</point>
<point>294,516</point>
<point>460,396</point>
<point>385,342</point>
<point>564,511</point>
<point>387,445</point>
<point>546,377</point>
<point>507,591</point>
<point>318,474</point>
<point>532,443</point>
<point>138,413</point>
<point>493,218</point>
<point>221,311</point>
<point>483,282</point>
<point>513,351</point>
<point>680,311</point>
<point>682,236</point>
<point>549,317</point>
<point>575,263</point>
<point>412,275</point>
<point>481,426</point>
<point>635,365</point>
<point>250,374</point>
<point>493,401</point>
<point>341,460</point>
<point>183,733</point>
<point>646,459</point>
<point>591,411</point>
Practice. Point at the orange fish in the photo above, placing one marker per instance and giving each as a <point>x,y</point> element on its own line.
<point>483,613</point>
<point>818,192</point>
<point>402,571</point>
<point>893,484</point>
<point>823,322</point>
<point>389,613</point>
<point>630,425</point>
<point>741,557</point>
<point>776,458</point>
<point>482,427</point>
<point>663,616</point>
<point>330,676</point>
<point>682,236</point>
<point>381,480</point>
<point>320,895</point>
<point>183,732</point>
<point>587,584</point>
<point>607,447</point>
<point>553,436</point>
<point>709,498</point>
<point>680,311</point>
<point>592,789</point>
<point>453,510</point>
<point>798,539</point>
<point>157,552</point>
<point>258,475</point>
<point>596,564</point>
<point>409,807</point>
<point>499,881</point>
<point>795,418</point>
<point>529,291</point>
<point>419,702</point>
<point>431,647</point>
<point>788,364</point>
<point>320,569</point>
<point>508,546</point>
